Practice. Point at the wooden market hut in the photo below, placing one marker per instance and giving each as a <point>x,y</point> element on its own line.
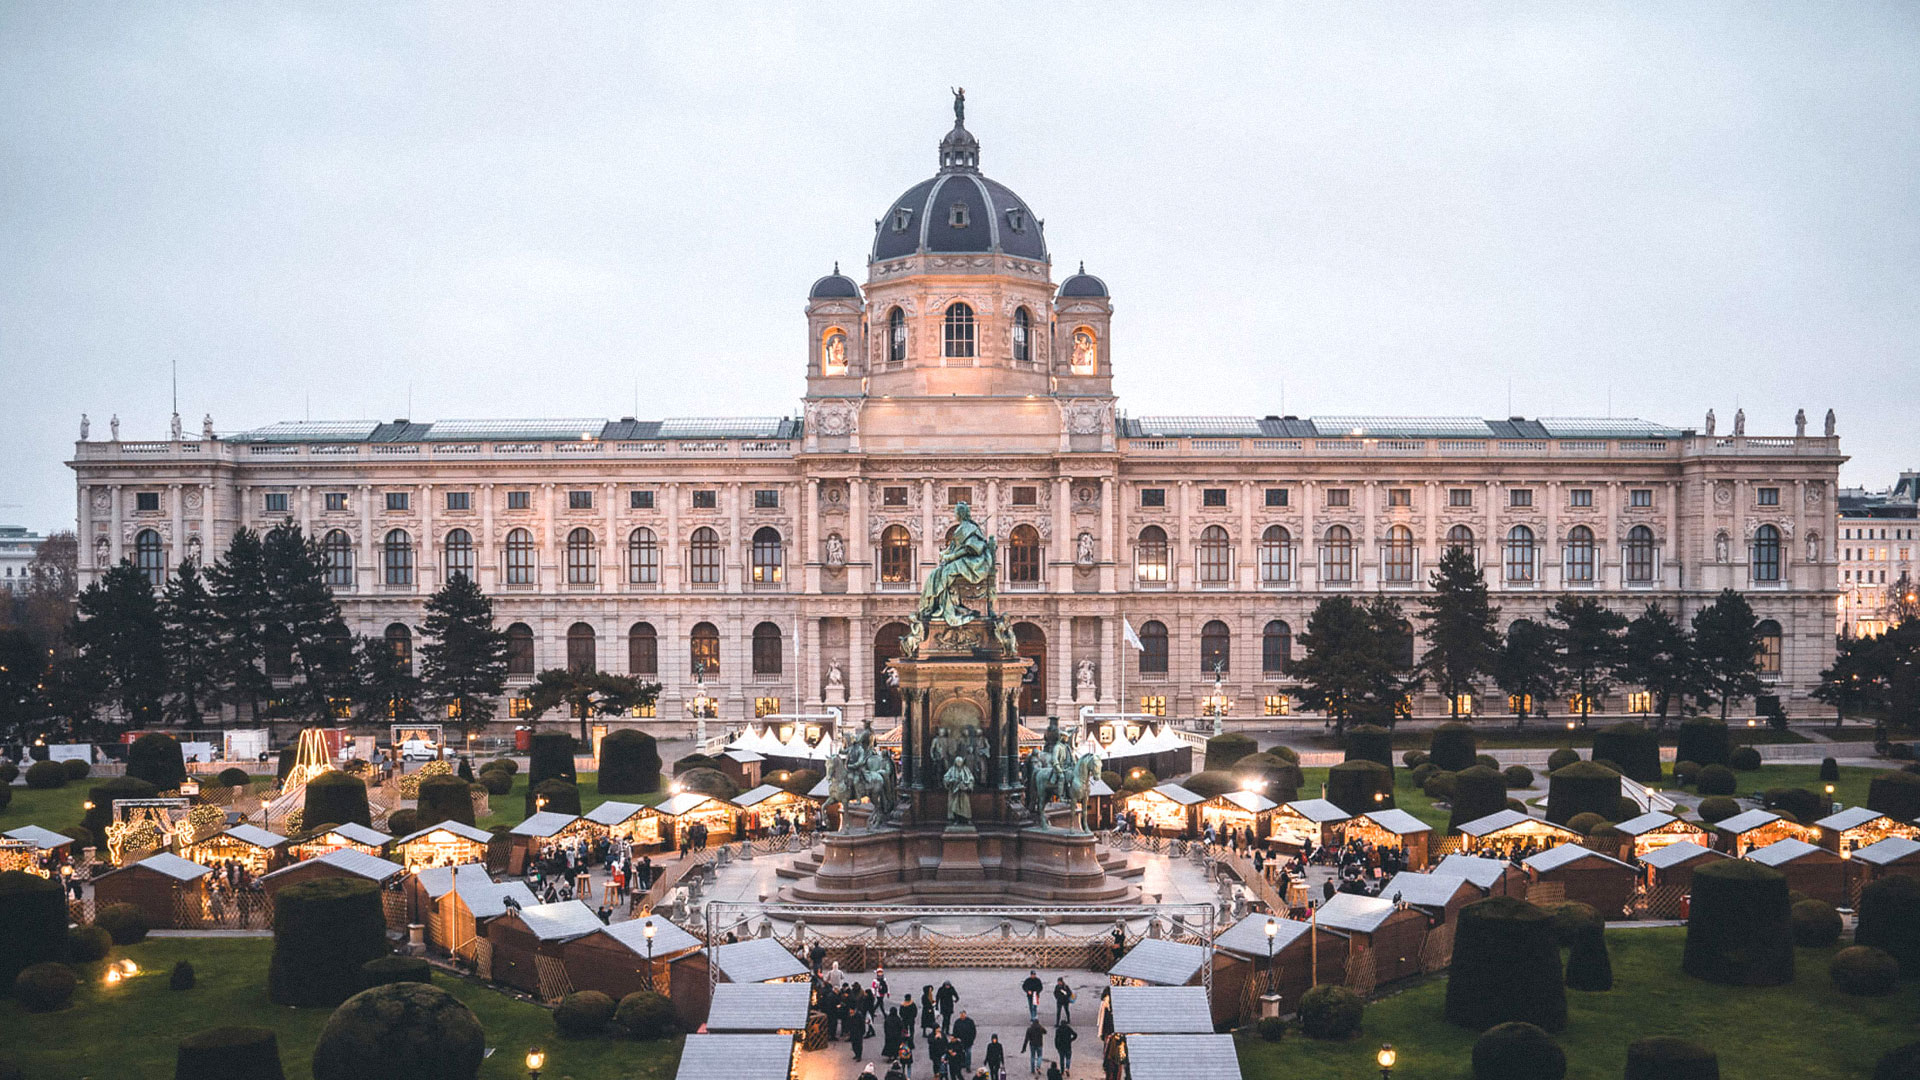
<point>1238,810</point>
<point>635,823</point>
<point>1669,875</point>
<point>1894,855</point>
<point>613,960</point>
<point>1856,827</point>
<point>744,1008</point>
<point>351,835</point>
<point>452,902</point>
<point>756,960</point>
<point>1099,804</point>
<point>1498,877</point>
<point>1182,1057</point>
<point>1318,820</point>
<point>530,840</point>
<point>1654,830</point>
<point>1302,954</point>
<point>736,1057</point>
<point>1742,833</point>
<point>1158,1010</point>
<point>1588,876</point>
<point>1440,894</point>
<point>757,809</point>
<point>742,766</point>
<point>44,842</point>
<point>1811,869</point>
<point>683,810</point>
<point>1159,962</point>
<point>448,843</point>
<point>21,855</point>
<point>164,887</point>
<point>259,851</point>
<point>1168,810</point>
<point>1395,829</point>
<point>345,862</point>
<point>1391,933</point>
<point>525,944</point>
<point>1504,833</point>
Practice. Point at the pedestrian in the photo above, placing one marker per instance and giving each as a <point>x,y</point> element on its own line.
<point>895,1071</point>
<point>964,1032</point>
<point>929,1018</point>
<point>1110,1059</point>
<point>1054,1073</point>
<point>1063,1037</point>
<point>995,1057</point>
<point>948,998</point>
<point>1032,988</point>
<point>937,1051</point>
<point>906,1058</point>
<point>1062,1001</point>
<point>890,1030</point>
<point>835,977</point>
<point>908,1010</point>
<point>856,1032</point>
<point>1035,1044</point>
<point>867,1072</point>
<point>817,957</point>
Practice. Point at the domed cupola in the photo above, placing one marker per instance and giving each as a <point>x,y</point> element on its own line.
<point>835,286</point>
<point>959,211</point>
<point>1083,284</point>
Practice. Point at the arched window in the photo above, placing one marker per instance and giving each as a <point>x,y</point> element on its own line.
<point>896,555</point>
<point>766,649</point>
<point>1766,553</point>
<point>1580,555</point>
<point>1336,559</point>
<point>1022,336</point>
<point>580,651</point>
<point>459,554</point>
<point>704,649</point>
<point>396,553</point>
<point>1520,554</point>
<point>1276,648</point>
<point>1396,555</point>
<point>1216,556</point>
<point>896,336</point>
<point>703,557</point>
<point>957,339</point>
<point>643,557</point>
<point>1150,555</point>
<point>1640,554</point>
<point>1153,647</point>
<point>833,352</point>
<point>580,558</point>
<point>1023,555</point>
<point>1461,537</point>
<point>400,640</point>
<point>1276,555</point>
<point>767,558</point>
<point>643,650</point>
<point>337,549</point>
<point>520,557</point>
<point>148,557</point>
<point>1216,645</point>
<point>1769,655</point>
<point>519,650</point>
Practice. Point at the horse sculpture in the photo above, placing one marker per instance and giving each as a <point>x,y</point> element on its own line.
<point>861,772</point>
<point>1064,778</point>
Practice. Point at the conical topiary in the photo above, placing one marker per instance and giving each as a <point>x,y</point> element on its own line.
<point>1506,967</point>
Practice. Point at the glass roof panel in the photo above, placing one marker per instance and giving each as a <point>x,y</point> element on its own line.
<point>1466,427</point>
<point>1604,427</point>
<point>310,431</point>
<point>1198,425</point>
<point>456,430</point>
<point>720,427</point>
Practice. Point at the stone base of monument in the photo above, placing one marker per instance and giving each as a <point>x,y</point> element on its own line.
<point>962,865</point>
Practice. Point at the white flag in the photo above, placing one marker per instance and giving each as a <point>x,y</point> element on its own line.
<point>1131,638</point>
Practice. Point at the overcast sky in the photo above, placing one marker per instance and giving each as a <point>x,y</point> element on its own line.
<point>533,209</point>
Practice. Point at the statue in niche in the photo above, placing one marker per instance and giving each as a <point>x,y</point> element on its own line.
<point>1800,423</point>
<point>967,561</point>
<point>1813,547</point>
<point>861,771</point>
<point>1083,680</point>
<point>1711,422</point>
<point>85,426</point>
<point>963,753</point>
<point>102,551</point>
<point>1721,547</point>
<point>1086,351</point>
<point>834,360</point>
<point>193,547</point>
<point>836,679</point>
<point>1084,550</point>
<point>1739,423</point>
<point>836,551</point>
<point>113,426</point>
<point>1830,424</point>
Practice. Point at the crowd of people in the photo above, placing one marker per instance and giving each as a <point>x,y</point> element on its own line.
<point>557,873</point>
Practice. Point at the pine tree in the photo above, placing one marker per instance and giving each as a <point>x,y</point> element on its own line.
<point>1463,643</point>
<point>190,629</point>
<point>1525,671</point>
<point>1854,681</point>
<point>586,694</point>
<point>387,691</point>
<point>1659,656</point>
<point>118,637</point>
<point>1587,645</point>
<point>463,657</point>
<point>1350,670</point>
<point>23,677</point>
<point>305,621</point>
<point>245,606</point>
<point>1726,644</point>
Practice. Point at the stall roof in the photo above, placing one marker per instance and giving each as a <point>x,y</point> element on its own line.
<point>822,790</point>
<point>1351,911</point>
<point>1747,822</point>
<point>44,839</point>
<point>173,866</point>
<point>1248,937</point>
<point>614,812</point>
<point>668,939</point>
<point>759,1007</point>
<point>744,757</point>
<point>1318,811</point>
<point>1251,801</point>
<point>255,835</point>
<point>1645,823</point>
<point>1161,962</point>
<point>1482,872</point>
<point>562,921</point>
<point>463,831</point>
<point>436,880</point>
<point>747,800</point>
<point>756,960</point>
<point>353,861</point>
<point>486,897</point>
<point>1161,1010</point>
<point>1182,1057</point>
<point>683,802</point>
<point>1395,821</point>
<point>736,1057</point>
<point>1556,857</point>
<point>1179,794</point>
<point>1785,851</point>
<point>1507,819</point>
<point>1097,787</point>
<point>354,832</point>
<point>1882,852</point>
<point>1675,854</point>
<point>545,823</point>
<point>1432,890</point>
<point>1851,818</point>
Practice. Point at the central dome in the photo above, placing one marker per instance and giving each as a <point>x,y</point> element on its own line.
<point>959,211</point>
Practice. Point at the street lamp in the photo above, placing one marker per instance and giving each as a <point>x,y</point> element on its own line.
<point>536,1058</point>
<point>648,932</point>
<point>1386,1057</point>
<point>1273,930</point>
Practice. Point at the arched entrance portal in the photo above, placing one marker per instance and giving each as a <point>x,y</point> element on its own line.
<point>886,646</point>
<point>1033,685</point>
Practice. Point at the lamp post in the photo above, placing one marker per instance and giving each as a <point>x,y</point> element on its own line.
<point>1386,1057</point>
<point>648,932</point>
<point>1270,1001</point>
<point>1832,807</point>
<point>536,1058</point>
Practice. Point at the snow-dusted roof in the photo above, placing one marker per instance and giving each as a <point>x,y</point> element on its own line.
<point>1556,857</point>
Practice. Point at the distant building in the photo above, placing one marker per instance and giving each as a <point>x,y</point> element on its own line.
<point>17,549</point>
<point>1878,539</point>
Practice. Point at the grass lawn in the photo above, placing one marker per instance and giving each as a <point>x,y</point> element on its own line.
<point>508,809</point>
<point>1850,789</point>
<point>1806,1030</point>
<point>50,808</point>
<point>1491,733</point>
<point>1405,795</point>
<point>131,1031</point>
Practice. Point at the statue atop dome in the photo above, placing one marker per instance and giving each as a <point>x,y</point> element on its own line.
<point>959,106</point>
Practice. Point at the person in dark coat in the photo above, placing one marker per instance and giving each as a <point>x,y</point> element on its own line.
<point>890,1027</point>
<point>1033,987</point>
<point>1053,1072</point>
<point>817,957</point>
<point>908,1011</point>
<point>1063,1036</point>
<point>1035,1044</point>
<point>1110,1061</point>
<point>929,1017</point>
<point>995,1058</point>
<point>856,1022</point>
<point>1062,1001</point>
<point>937,1051</point>
<point>948,997</point>
<point>964,1032</point>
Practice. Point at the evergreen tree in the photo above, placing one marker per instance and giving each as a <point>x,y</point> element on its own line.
<point>23,676</point>
<point>587,694</point>
<point>1525,671</point>
<point>1896,656</point>
<point>1726,645</point>
<point>190,630</point>
<point>1587,647</point>
<point>387,690</point>
<point>1351,669</point>
<point>1854,681</point>
<point>1463,644</point>
<point>463,659</point>
<point>118,637</point>
<point>1659,656</point>
<point>245,606</point>
<point>304,621</point>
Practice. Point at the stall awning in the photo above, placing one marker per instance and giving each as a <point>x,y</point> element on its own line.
<point>614,813</point>
<point>684,802</point>
<point>1161,1010</point>
<point>1251,801</point>
<point>1179,794</point>
<point>44,839</point>
<point>356,833</point>
<point>353,861</point>
<point>736,1057</point>
<point>1482,872</point>
<point>1430,890</point>
<point>1556,857</point>
<point>1398,822</point>
<point>1319,811</point>
<point>1675,854</point>
<point>756,960</point>
<point>1646,823</point>
<point>485,897</point>
<point>562,921</point>
<point>544,824</point>
<point>744,1007</point>
<point>255,835</point>
<point>1888,851</point>
<point>1182,1057</point>
<point>174,867</point>
<point>1781,852</point>
<point>747,800</point>
<point>1851,818</point>
<point>1161,962</point>
<point>464,832</point>
<point>1747,822</point>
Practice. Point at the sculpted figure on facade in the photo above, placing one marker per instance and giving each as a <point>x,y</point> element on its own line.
<point>113,426</point>
<point>1813,547</point>
<point>85,424</point>
<point>1711,423</point>
<point>1084,553</point>
<point>206,427</point>
<point>1799,423</point>
<point>102,551</point>
<point>836,551</point>
<point>1083,680</point>
<point>836,679</point>
<point>967,561</point>
<point>1086,351</point>
<point>1739,422</point>
<point>1722,547</point>
<point>1830,424</point>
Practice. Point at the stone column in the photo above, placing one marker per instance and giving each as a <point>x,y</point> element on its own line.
<point>672,547</point>
<point>734,577</point>
<point>929,543</point>
<point>809,546</point>
<point>1247,546</point>
<point>366,574</point>
<point>486,557</point>
<point>118,544</point>
<point>428,576</point>
<point>1181,572</point>
<point>610,546</point>
<point>1112,541</point>
<point>1552,558</point>
<point>177,507</point>
<point>1061,552</point>
<point>1369,568</point>
<point>859,544</point>
<point>1309,540</point>
<point>208,543</point>
<point>549,574</point>
<point>1674,548</point>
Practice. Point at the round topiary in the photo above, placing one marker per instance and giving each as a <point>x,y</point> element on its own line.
<point>1702,740</point>
<point>1664,1057</point>
<point>1798,803</point>
<point>1686,772</point>
<point>1633,747</point>
<point>1739,931</point>
<point>102,795</point>
<point>125,923</point>
<point>584,1014</point>
<point>1413,759</point>
<point>1516,806</point>
<point>496,782</point>
<point>1112,779</point>
<point>1506,966</point>
<point>1561,758</point>
<point>560,797</point>
<point>1890,919</point>
<point>1211,783</point>
<point>1829,769</point>
<point>401,1031</point>
<point>1745,759</point>
<point>44,987</point>
<point>1352,785</point>
<point>1588,965</point>
<point>9,772</point>
<point>6,795</point>
<point>511,766</point>
<point>75,769</point>
<point>395,969</point>
<point>234,778</point>
<point>1517,1051</point>
<point>1331,1011</point>
<point>1453,746</point>
<point>1717,808</point>
<point>403,822</point>
<point>629,763</point>
<point>1224,750</point>
<point>1899,1063</point>
<point>1422,773</point>
<point>446,798</point>
<point>644,1015</point>
<point>1895,794</point>
<point>1270,1029</point>
<point>1281,777</point>
<point>1140,780</point>
<point>229,1053</point>
<point>710,782</point>
<point>1585,822</point>
<point>1715,780</point>
<point>46,775</point>
<point>1477,792</point>
<point>551,758</point>
<point>1517,776</point>
<point>1572,918</point>
<point>1487,761</point>
<point>1864,971</point>
<point>181,977</point>
<point>1581,787</point>
<point>323,931</point>
<point>1439,786</point>
<point>1285,753</point>
<point>336,797</point>
<point>1368,742</point>
<point>88,944</point>
<point>695,761</point>
<point>33,922</point>
<point>156,758</point>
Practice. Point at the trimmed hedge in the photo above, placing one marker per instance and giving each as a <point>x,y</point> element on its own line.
<point>1895,794</point>
<point>1139,780</point>
<point>1686,772</point>
<point>1369,742</point>
<point>1585,822</point>
<point>1805,807</point>
<point>1331,1011</point>
<point>1899,1063</point>
<point>33,922</point>
<point>385,970</point>
<point>1588,965</point>
<point>335,797</point>
<point>584,1014</point>
<point>401,1031</point>
<point>1423,772</point>
<point>323,931</point>
<point>1413,759</point>
<point>511,766</point>
<point>1561,758</point>
<point>1717,808</point>
<point>1506,967</point>
<point>1477,792</point>
<point>88,944</point>
<point>181,977</point>
<point>156,758</point>
<point>1579,788</point>
<point>75,768</point>
<point>446,798</point>
<point>1664,1057</point>
<point>1439,786</point>
<point>1744,759</point>
<point>1702,740</point>
<point>1864,971</point>
<point>1517,776</point>
<point>1282,777</point>
<point>1517,1051</point>
<point>403,822</point>
<point>229,1053</point>
<point>6,795</point>
<point>1829,769</point>
<point>1211,783</point>
<point>1716,780</point>
<point>550,758</point>
<point>1636,749</point>
<point>46,775</point>
<point>644,1014</point>
<point>232,777</point>
<point>9,772</point>
<point>1815,924</point>
<point>558,797</point>
<point>44,987</point>
<point>1890,919</point>
<point>630,763</point>
<point>707,781</point>
<point>1453,746</point>
<point>125,923</point>
<point>1351,785</point>
<point>496,781</point>
<point>1224,750</point>
<point>1740,930</point>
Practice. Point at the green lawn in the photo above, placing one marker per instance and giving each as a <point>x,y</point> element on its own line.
<point>1806,1030</point>
<point>1850,789</point>
<point>1491,733</point>
<point>130,1032</point>
<point>51,808</point>
<point>507,809</point>
<point>1405,795</point>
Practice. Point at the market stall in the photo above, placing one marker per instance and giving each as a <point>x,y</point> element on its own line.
<point>1856,827</point>
<point>1585,875</point>
<point>1304,821</point>
<point>536,837</point>
<point>1654,830</point>
<point>1159,962</point>
<point>1288,962</point>
<point>1742,833</point>
<point>757,960</point>
<point>520,937</point>
<point>1440,895</point>
<point>452,901</point>
<point>169,890</point>
<point>1167,810</point>
<point>1125,745</point>
<point>345,863</point>
<point>258,851</point>
<point>1238,811</point>
<point>614,959</point>
<point>682,811</point>
<point>52,846</point>
<point>21,855</point>
<point>758,809</point>
<point>1396,830</point>
<point>635,823</point>
<point>351,835</point>
<point>1669,875</point>
<point>1508,834</point>
<point>1373,924</point>
<point>448,843</point>
<point>1894,855</point>
<point>1811,870</point>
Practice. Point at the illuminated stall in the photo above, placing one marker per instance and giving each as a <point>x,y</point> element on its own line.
<point>1396,830</point>
<point>1308,820</point>
<point>532,839</point>
<point>1654,830</point>
<point>169,890</point>
<point>21,855</point>
<point>1505,833</point>
<point>1894,855</point>
<point>1669,874</point>
<point>351,835</point>
<point>1856,827</point>
<point>345,863</point>
<point>48,843</point>
<point>632,822</point>
<point>1742,833</point>
<point>1810,869</point>
<point>448,843</point>
<point>1167,810</point>
<point>759,807</point>
<point>1237,811</point>
<point>682,811</point>
<point>259,851</point>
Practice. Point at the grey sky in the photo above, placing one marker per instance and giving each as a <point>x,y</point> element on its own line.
<point>526,209</point>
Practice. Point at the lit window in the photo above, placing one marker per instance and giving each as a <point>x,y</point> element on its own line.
<point>767,556</point>
<point>957,335</point>
<point>519,708</point>
<point>1463,703</point>
<point>459,500</point>
<point>1769,655</point>
<point>397,500</point>
<point>1278,705</point>
<point>765,706</point>
<point>704,648</point>
<point>579,500</point>
<point>276,502</point>
<point>1022,336</point>
<point>1150,555</point>
<point>644,712</point>
<point>1582,704</point>
<point>1023,555</point>
<point>1640,701</point>
<point>400,640</point>
<point>1519,704</point>
<point>896,555</point>
<point>1153,705</point>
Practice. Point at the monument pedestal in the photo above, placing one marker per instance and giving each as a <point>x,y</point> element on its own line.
<point>960,856</point>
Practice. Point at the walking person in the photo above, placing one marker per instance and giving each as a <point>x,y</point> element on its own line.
<point>856,1021</point>
<point>908,1011</point>
<point>1035,1044</point>
<point>890,1028</point>
<point>1062,1001</point>
<point>964,1032</point>
<point>1032,988</point>
<point>1063,1037</point>
<point>995,1058</point>
<point>948,998</point>
<point>929,1017</point>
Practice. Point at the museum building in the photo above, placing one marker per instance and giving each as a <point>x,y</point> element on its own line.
<point>767,564</point>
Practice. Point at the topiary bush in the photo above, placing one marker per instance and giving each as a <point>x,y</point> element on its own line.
<point>403,822</point>
<point>156,758</point>
<point>560,797</point>
<point>1351,785</point>
<point>323,931</point>
<point>1330,1011</point>
<point>1488,761</point>
<point>695,761</point>
<point>1889,918</point>
<point>1899,1063</point>
<point>1740,930</point>
<point>1829,769</point>
<point>1571,918</point>
<point>1281,777</point>
<point>1715,780</point>
<point>103,794</point>
<point>644,1015</point>
<point>229,1053</point>
<point>395,969</point>
<point>1864,971</point>
<point>1211,783</point>
<point>181,977</point>
<point>75,769</point>
<point>1422,773</point>
<point>629,763</point>
<point>88,944</point>
<point>1477,792</point>
<point>1745,759</point>
<point>1439,786</point>
<point>1561,758</point>
<point>1413,759</point>
<point>1368,742</point>
<point>33,922</point>
<point>401,1031</point>
<point>124,923</point>
<point>1224,750</point>
<point>496,782</point>
<point>1895,794</point>
<point>1815,923</point>
<point>709,781</point>
<point>1635,749</point>
<point>1140,780</point>
<point>584,1015</point>
<point>1517,776</point>
<point>1588,965</point>
<point>336,797</point>
<point>231,777</point>
<point>1702,739</point>
<point>9,772</point>
<point>1579,788</point>
<point>446,798</point>
<point>1517,1051</point>
<point>510,766</point>
<point>1664,1057</point>
<point>550,758</point>
<point>6,795</point>
<point>44,987</point>
<point>1270,1029</point>
<point>1798,803</point>
<point>46,775</point>
<point>1686,772</point>
<point>1585,822</point>
<point>1717,808</point>
<point>1453,746</point>
<point>1506,966</point>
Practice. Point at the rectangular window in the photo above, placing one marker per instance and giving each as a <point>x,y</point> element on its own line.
<point>146,500</point>
<point>276,502</point>
<point>397,500</point>
<point>1520,497</point>
<point>336,501</point>
<point>1026,496</point>
<point>1399,497</point>
<point>1154,704</point>
<point>959,494</point>
<point>639,500</point>
<point>579,500</point>
<point>1213,496</point>
<point>893,496</point>
<point>643,712</point>
<point>1459,497</point>
<point>1580,497</point>
<point>1278,705</point>
<point>519,500</point>
<point>706,499</point>
<point>519,708</point>
<point>766,499</point>
<point>765,706</point>
<point>1770,496</point>
<point>1640,701</point>
<point>1276,497</point>
<point>1464,704</point>
<point>459,500</point>
<point>1641,497</point>
<point>1339,497</point>
<point>1153,496</point>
